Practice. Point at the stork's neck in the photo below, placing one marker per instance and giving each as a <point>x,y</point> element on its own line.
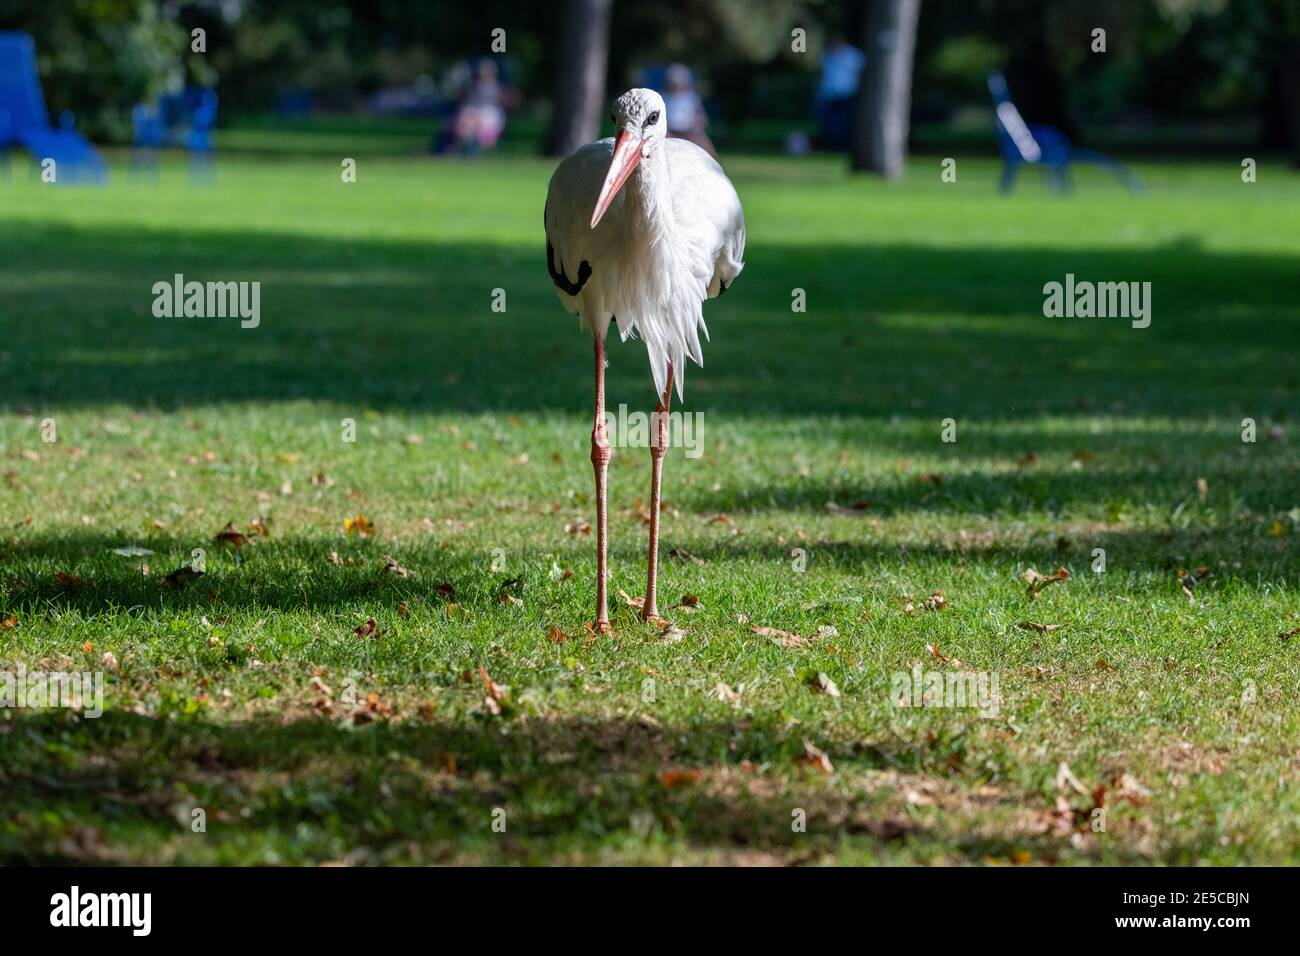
<point>651,194</point>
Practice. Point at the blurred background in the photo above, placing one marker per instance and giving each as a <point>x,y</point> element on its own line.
<point>763,75</point>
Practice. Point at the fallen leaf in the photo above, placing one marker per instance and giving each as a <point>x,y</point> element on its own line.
<point>855,510</point>
<point>228,535</point>
<point>9,623</point>
<point>369,629</point>
<point>725,694</point>
<point>1065,778</point>
<point>556,636</point>
<point>580,527</point>
<point>1037,581</point>
<point>358,525</point>
<point>784,638</point>
<point>681,554</point>
<point>182,576</point>
<point>1038,628</point>
<point>109,661</point>
<point>391,566</point>
<point>495,693</point>
<point>676,778</point>
<point>815,758</point>
<point>636,603</point>
<point>821,683</point>
<point>446,590</point>
<point>690,600</point>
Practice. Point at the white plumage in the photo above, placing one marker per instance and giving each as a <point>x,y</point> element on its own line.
<point>671,237</point>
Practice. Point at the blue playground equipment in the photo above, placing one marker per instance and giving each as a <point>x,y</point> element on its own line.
<point>25,122</point>
<point>185,119</point>
<point>1045,146</point>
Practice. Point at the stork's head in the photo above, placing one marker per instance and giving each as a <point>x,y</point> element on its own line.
<point>640,125</point>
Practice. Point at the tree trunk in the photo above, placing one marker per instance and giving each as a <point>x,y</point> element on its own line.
<point>885,93</point>
<point>580,95</point>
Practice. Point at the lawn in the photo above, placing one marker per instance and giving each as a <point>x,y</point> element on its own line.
<point>826,506</point>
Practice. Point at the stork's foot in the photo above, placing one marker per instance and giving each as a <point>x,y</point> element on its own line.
<point>600,627</point>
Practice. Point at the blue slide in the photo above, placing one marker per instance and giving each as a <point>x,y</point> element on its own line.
<point>24,120</point>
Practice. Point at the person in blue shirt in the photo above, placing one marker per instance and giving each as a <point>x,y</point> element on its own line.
<point>841,71</point>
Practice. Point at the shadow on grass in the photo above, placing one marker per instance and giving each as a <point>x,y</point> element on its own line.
<point>889,329</point>
<point>318,789</point>
<point>76,572</point>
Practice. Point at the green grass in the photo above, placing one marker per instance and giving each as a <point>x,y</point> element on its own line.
<point>923,303</point>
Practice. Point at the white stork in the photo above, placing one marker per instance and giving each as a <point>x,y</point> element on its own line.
<point>646,257</point>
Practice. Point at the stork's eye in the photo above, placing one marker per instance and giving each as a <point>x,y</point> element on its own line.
<point>651,120</point>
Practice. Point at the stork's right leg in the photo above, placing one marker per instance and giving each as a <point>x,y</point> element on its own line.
<point>600,456</point>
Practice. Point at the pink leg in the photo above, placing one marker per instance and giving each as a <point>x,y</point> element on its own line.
<point>658,447</point>
<point>601,453</point>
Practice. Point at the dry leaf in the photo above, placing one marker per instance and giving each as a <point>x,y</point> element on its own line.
<point>1037,581</point>
<point>815,758</point>
<point>556,636</point>
<point>676,778</point>
<point>784,638</point>
<point>358,525</point>
<point>229,536</point>
<point>681,554</point>
<point>855,510</point>
<point>9,623</point>
<point>636,603</point>
<point>369,629</point>
<point>725,694</point>
<point>822,683</point>
<point>1038,628</point>
<point>392,567</point>
<point>182,576</point>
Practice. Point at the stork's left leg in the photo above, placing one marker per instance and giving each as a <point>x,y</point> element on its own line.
<point>658,446</point>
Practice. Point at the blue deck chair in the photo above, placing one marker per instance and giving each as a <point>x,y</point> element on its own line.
<point>25,122</point>
<point>186,119</point>
<point>1023,144</point>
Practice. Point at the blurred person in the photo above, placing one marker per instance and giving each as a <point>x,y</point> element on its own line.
<point>480,115</point>
<point>841,72</point>
<point>687,118</point>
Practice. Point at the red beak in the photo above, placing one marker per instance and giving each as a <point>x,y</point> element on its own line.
<point>627,153</point>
